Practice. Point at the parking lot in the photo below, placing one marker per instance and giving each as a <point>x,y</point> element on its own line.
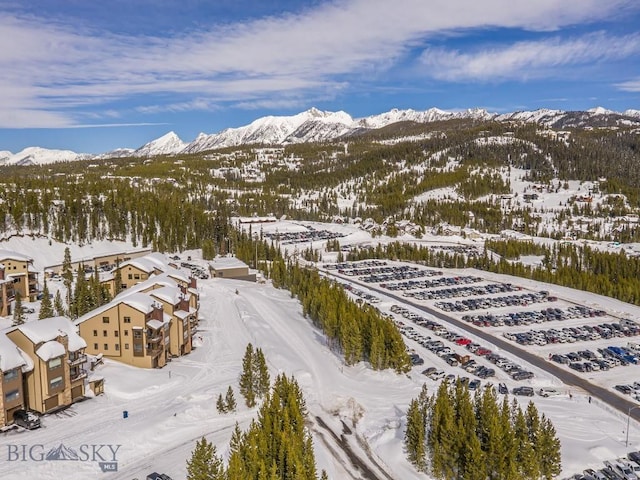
<point>452,352</point>
<point>310,235</point>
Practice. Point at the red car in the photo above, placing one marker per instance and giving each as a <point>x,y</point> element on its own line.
<point>463,341</point>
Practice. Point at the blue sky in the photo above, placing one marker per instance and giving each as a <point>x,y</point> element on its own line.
<point>94,76</point>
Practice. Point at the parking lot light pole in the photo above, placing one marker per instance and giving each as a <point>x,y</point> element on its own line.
<point>628,420</point>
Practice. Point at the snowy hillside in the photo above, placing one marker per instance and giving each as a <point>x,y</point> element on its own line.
<point>168,144</point>
<point>42,156</point>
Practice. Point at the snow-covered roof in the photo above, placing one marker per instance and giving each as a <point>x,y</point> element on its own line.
<point>170,295</point>
<point>227,262</point>
<point>140,301</point>
<point>11,255</point>
<point>155,324</point>
<point>49,350</point>
<point>166,279</point>
<point>12,356</point>
<point>148,263</point>
<point>39,331</point>
<point>177,275</point>
<point>181,314</point>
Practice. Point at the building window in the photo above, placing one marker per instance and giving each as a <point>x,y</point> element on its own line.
<point>123,286</point>
<point>126,333</point>
<point>11,375</point>
<point>136,276</point>
<point>127,319</point>
<point>115,333</point>
<point>12,395</point>
<point>95,346</point>
<point>55,383</point>
<point>130,277</point>
<point>105,319</point>
<point>137,334</point>
<point>104,333</point>
<point>106,346</point>
<point>95,333</point>
<point>126,346</point>
<point>137,348</point>
<point>55,363</point>
<point>117,347</point>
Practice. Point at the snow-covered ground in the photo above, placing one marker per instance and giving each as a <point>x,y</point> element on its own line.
<point>170,408</point>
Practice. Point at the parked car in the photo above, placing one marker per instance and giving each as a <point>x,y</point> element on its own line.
<point>548,392</point>
<point>524,390</point>
<point>502,389</point>
<point>26,419</point>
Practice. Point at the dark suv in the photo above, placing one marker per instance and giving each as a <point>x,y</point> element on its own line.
<point>26,419</point>
<point>526,391</point>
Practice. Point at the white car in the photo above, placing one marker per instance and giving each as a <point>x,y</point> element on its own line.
<point>548,392</point>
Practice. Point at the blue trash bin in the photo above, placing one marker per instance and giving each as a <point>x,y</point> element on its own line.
<point>125,414</point>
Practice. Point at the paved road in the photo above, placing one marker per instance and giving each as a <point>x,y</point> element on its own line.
<point>569,378</point>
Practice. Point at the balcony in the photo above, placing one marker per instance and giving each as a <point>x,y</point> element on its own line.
<point>154,336</point>
<point>78,374</point>
<point>78,359</point>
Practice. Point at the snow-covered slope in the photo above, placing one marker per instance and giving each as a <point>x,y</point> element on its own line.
<point>117,153</point>
<point>167,144</point>
<point>44,156</point>
<point>311,125</point>
<point>426,116</point>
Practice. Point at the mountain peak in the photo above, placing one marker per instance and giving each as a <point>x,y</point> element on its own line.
<point>168,144</point>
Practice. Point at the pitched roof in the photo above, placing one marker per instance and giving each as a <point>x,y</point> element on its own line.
<point>49,350</point>
<point>39,331</point>
<point>12,356</point>
<point>11,255</point>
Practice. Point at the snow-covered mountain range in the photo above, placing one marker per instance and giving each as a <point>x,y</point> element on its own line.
<point>315,125</point>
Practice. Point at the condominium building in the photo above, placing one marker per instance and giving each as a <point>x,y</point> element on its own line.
<point>57,353</point>
<point>14,363</point>
<point>16,267</point>
<point>132,328</point>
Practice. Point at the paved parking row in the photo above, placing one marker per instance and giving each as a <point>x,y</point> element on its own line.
<point>533,316</point>
<point>582,333</point>
<point>438,282</point>
<point>311,235</point>
<point>491,288</point>
<point>494,302</point>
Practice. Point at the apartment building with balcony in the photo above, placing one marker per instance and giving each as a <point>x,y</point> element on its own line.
<point>19,269</point>
<point>133,328</point>
<point>57,352</point>
<point>135,271</point>
<point>6,293</point>
<point>14,363</point>
<point>179,296</point>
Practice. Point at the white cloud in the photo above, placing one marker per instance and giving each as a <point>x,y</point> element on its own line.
<point>630,86</point>
<point>524,60</point>
<point>57,69</point>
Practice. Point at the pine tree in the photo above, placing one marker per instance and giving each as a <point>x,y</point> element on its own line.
<point>230,400</point>
<point>18,310</point>
<point>58,305</point>
<point>204,463</point>
<point>82,300</point>
<point>117,279</point>
<point>526,458</point>
<point>247,381</point>
<point>548,449</point>
<point>414,437</point>
<point>260,374</point>
<point>46,308</point>
<point>67,274</point>
<point>220,405</point>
